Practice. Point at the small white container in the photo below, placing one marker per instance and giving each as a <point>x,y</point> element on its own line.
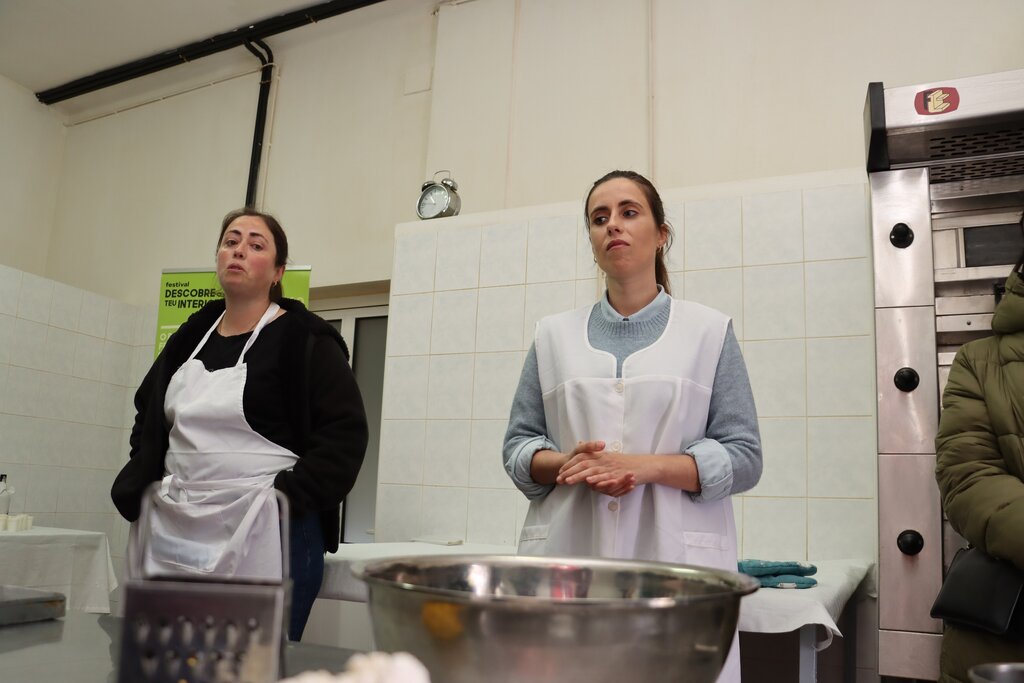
<point>20,522</point>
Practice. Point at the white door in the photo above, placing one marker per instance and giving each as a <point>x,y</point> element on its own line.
<point>365,331</point>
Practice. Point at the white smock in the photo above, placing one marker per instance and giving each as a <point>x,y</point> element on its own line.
<point>659,405</point>
<point>215,513</point>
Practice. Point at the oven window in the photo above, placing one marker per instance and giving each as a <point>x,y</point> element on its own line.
<point>992,245</point>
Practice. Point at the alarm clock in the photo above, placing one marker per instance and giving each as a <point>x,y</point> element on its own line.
<point>439,199</point>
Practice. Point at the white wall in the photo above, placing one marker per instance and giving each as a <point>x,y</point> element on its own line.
<point>464,296</point>
<point>751,89</point>
<point>145,189</point>
<point>31,147</point>
<point>349,137</point>
<point>70,361</point>
<point>692,92</point>
<point>526,101</point>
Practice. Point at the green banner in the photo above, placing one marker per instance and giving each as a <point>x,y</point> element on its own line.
<point>183,292</point>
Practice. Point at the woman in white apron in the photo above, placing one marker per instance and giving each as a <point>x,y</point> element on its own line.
<point>634,421</point>
<point>252,394</point>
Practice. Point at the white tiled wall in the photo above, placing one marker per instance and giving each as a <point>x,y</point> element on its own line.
<point>70,361</point>
<point>788,259</point>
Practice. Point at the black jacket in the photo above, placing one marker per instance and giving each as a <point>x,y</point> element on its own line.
<point>333,433</point>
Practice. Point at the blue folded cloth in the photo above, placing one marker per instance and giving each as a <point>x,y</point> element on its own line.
<point>775,574</point>
<point>775,568</point>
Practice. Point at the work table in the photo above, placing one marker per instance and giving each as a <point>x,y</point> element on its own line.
<point>83,648</point>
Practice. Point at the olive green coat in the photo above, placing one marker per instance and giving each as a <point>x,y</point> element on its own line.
<point>980,464</point>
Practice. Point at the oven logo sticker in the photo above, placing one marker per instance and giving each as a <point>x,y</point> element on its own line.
<point>937,101</point>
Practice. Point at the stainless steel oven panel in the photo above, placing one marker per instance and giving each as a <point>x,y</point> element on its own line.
<point>960,338</point>
<point>962,274</point>
<point>964,323</point>
<point>947,248</point>
<point>961,305</point>
<point>907,420</point>
<point>974,219</point>
<point>903,276</point>
<point>959,288</point>
<point>909,655</point>
<point>980,194</point>
<point>909,519</point>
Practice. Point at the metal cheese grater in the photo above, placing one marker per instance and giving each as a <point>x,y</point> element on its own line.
<point>189,629</point>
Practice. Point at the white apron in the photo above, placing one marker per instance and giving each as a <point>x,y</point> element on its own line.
<point>659,405</point>
<point>216,513</point>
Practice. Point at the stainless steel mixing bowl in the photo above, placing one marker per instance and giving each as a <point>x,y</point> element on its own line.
<point>1009,672</point>
<point>477,618</point>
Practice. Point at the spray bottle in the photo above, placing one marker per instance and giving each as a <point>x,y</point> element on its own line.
<point>5,495</point>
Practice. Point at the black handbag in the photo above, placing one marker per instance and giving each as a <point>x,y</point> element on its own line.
<point>981,592</point>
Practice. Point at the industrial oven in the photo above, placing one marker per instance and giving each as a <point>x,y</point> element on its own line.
<point>946,172</point>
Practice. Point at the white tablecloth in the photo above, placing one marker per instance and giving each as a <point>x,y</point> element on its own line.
<point>781,610</point>
<point>75,563</point>
<point>769,610</point>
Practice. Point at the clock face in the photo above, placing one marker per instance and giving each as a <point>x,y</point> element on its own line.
<point>433,201</point>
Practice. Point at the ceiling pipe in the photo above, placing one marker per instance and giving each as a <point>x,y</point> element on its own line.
<point>219,43</point>
<point>266,76</point>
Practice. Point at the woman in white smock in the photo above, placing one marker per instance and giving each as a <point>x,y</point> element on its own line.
<point>253,393</point>
<point>634,422</point>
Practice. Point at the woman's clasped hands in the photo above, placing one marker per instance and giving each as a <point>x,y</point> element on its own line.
<point>612,474</point>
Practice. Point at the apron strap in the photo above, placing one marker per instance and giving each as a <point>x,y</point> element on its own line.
<point>206,337</point>
<point>272,310</point>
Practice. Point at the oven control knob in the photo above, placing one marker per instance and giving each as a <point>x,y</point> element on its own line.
<point>906,379</point>
<point>901,236</point>
<point>910,542</point>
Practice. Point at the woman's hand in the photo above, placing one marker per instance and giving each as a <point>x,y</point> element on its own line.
<point>546,465</point>
<point>616,474</point>
<point>608,473</point>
